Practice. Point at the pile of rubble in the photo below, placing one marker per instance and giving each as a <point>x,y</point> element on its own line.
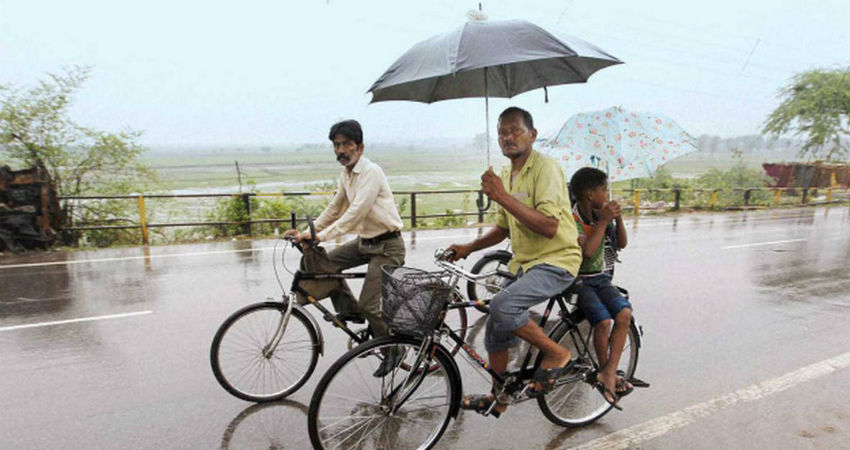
<point>29,210</point>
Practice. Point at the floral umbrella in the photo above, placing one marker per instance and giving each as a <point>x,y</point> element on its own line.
<point>624,144</point>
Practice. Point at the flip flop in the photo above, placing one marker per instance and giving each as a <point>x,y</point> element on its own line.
<point>604,390</point>
<point>547,379</point>
<point>480,403</point>
<point>624,387</point>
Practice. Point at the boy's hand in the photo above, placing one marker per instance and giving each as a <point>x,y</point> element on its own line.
<point>610,211</point>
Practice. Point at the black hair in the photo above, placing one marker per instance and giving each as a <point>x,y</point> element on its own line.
<point>348,128</point>
<point>585,179</point>
<point>526,116</point>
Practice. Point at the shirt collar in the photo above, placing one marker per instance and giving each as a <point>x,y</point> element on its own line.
<point>359,165</point>
<point>532,158</point>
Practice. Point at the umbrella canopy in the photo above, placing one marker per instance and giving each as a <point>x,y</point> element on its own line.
<point>624,144</point>
<point>488,59</point>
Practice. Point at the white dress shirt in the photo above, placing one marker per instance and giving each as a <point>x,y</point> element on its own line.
<point>363,205</point>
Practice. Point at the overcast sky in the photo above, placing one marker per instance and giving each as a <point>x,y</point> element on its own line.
<point>266,72</point>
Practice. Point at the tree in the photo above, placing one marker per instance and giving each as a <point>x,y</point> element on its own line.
<point>816,107</point>
<point>36,130</point>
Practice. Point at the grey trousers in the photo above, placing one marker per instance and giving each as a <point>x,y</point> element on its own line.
<point>352,254</point>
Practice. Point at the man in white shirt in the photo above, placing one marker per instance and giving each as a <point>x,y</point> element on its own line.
<point>363,205</point>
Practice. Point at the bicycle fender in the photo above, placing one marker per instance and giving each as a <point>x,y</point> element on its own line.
<point>455,372</point>
<point>638,332</point>
<point>315,324</point>
<point>499,253</point>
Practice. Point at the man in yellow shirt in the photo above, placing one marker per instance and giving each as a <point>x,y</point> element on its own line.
<point>535,212</point>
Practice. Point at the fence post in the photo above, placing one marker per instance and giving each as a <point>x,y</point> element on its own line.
<point>246,201</point>
<point>637,201</point>
<point>143,220</point>
<point>480,202</point>
<point>677,196</point>
<point>413,210</point>
<point>776,194</point>
<point>713,203</point>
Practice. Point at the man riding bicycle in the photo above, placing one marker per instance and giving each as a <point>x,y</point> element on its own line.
<point>535,212</point>
<point>363,205</point>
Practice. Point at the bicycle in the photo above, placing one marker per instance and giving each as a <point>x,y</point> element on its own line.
<point>411,407</point>
<point>266,351</point>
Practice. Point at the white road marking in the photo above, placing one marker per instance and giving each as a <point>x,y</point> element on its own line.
<point>82,319</point>
<point>632,437</point>
<point>178,255</point>
<point>756,244</point>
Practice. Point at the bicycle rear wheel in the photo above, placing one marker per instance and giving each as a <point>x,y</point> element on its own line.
<point>246,366</point>
<point>579,403</point>
<point>408,408</point>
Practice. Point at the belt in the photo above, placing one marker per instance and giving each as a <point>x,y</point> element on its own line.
<point>381,237</point>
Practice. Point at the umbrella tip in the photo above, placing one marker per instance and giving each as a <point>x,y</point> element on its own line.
<point>476,16</point>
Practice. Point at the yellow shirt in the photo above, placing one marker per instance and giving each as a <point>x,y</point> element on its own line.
<point>540,185</point>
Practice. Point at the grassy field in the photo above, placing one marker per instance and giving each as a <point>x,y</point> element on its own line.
<point>312,168</point>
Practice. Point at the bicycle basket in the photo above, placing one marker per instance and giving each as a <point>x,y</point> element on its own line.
<point>413,299</point>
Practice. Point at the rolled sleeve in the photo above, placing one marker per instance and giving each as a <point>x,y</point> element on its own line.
<point>550,197</point>
<point>501,218</point>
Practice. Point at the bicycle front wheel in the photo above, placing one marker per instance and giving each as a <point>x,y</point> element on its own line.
<point>488,287</point>
<point>248,364</point>
<point>579,403</point>
<point>409,408</point>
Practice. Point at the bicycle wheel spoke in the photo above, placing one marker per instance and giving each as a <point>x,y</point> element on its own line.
<point>248,368</point>
<point>350,414</point>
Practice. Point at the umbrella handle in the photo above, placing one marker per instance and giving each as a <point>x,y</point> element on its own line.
<point>481,205</point>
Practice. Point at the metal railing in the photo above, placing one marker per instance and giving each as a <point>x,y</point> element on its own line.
<point>415,216</point>
<point>143,225</point>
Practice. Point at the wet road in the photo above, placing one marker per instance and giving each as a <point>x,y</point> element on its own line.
<point>746,343</point>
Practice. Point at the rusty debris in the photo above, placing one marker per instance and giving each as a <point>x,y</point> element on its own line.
<point>29,210</point>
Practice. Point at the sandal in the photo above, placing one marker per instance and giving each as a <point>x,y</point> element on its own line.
<point>480,403</point>
<point>604,390</point>
<point>547,379</point>
<point>624,387</point>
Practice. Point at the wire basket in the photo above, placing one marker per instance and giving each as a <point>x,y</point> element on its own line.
<point>413,299</point>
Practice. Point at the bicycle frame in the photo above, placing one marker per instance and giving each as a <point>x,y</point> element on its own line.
<point>525,371</point>
<point>326,313</point>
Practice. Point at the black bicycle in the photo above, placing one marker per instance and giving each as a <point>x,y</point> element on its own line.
<point>266,351</point>
<point>411,406</point>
